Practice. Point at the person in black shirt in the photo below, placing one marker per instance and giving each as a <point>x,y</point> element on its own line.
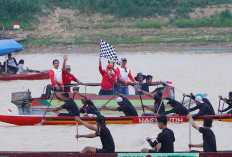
<point>177,108</point>
<point>88,108</point>
<point>205,100</point>
<point>209,140</point>
<point>145,86</point>
<point>158,104</point>
<point>166,138</point>
<point>102,131</point>
<point>229,102</point>
<point>204,108</point>
<point>124,105</point>
<point>69,105</point>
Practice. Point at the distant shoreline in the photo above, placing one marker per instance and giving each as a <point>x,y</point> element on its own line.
<point>132,47</point>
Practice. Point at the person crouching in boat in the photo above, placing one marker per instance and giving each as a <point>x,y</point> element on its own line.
<point>158,104</point>
<point>55,75</point>
<point>67,77</point>
<point>177,108</point>
<point>205,100</point>
<point>102,131</point>
<point>69,105</point>
<point>209,140</point>
<point>124,105</point>
<point>204,108</point>
<point>108,79</point>
<point>166,138</point>
<point>229,102</point>
<point>21,69</point>
<point>88,108</point>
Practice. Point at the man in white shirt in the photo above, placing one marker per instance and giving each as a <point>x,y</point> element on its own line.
<point>56,76</point>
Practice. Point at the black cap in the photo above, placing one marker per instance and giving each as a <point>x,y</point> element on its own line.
<point>101,119</point>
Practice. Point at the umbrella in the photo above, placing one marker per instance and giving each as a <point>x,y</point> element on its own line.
<point>9,46</point>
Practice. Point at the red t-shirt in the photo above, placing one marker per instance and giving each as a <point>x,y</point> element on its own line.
<point>67,78</point>
<point>107,82</point>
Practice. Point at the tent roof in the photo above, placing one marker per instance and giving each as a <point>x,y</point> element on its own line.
<point>9,46</point>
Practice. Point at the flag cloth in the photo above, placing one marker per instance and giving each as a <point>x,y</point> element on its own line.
<point>108,51</point>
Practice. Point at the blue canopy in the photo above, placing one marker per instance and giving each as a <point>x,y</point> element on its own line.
<point>8,46</point>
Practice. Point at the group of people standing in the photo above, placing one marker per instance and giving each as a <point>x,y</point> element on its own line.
<point>113,80</point>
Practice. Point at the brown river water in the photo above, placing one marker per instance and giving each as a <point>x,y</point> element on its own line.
<point>190,71</point>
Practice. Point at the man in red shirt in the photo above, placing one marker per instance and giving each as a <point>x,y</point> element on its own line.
<point>108,79</point>
<point>123,75</point>
<point>66,76</point>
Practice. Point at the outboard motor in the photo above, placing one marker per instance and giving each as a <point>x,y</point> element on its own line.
<point>21,100</point>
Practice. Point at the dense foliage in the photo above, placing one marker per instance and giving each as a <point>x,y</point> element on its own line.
<point>25,11</point>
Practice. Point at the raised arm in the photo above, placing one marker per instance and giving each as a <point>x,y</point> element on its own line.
<point>64,63</point>
<point>100,68</point>
<point>87,125</point>
<point>192,121</point>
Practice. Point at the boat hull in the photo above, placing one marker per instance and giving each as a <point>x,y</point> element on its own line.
<point>32,76</point>
<point>50,120</point>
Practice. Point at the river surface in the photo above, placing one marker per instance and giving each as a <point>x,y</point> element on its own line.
<point>189,71</point>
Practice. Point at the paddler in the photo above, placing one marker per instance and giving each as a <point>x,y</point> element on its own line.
<point>69,105</point>
<point>124,105</point>
<point>204,108</point>
<point>67,77</point>
<point>88,108</point>
<point>55,75</point>
<point>108,79</point>
<point>166,138</point>
<point>158,104</point>
<point>123,75</point>
<point>205,100</point>
<point>102,131</point>
<point>177,108</point>
<point>209,140</point>
<point>229,102</point>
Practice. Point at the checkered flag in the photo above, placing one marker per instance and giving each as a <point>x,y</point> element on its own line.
<point>108,51</point>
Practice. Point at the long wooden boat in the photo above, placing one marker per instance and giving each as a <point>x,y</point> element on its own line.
<point>29,76</point>
<point>52,120</point>
<point>38,105</point>
<point>116,154</point>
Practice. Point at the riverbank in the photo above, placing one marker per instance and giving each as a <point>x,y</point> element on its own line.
<point>134,47</point>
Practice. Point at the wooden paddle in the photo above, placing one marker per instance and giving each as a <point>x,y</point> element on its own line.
<point>221,111</point>
<point>140,96</point>
<point>105,103</point>
<point>42,120</point>
<point>159,106</point>
<point>183,100</point>
<point>109,101</point>
<point>190,140</point>
<point>219,105</point>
